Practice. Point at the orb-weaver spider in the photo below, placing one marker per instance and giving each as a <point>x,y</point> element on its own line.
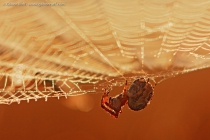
<point>137,97</point>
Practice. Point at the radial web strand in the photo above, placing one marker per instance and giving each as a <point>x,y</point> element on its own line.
<point>81,47</point>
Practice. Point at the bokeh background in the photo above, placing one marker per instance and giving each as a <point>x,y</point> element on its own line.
<point>169,36</point>
<point>180,110</point>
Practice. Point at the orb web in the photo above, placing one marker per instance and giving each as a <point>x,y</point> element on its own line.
<point>80,47</point>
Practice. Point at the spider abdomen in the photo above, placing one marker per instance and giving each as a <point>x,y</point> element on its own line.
<point>139,94</point>
<point>136,106</point>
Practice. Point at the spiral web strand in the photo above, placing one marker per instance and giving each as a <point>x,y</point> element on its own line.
<point>80,47</point>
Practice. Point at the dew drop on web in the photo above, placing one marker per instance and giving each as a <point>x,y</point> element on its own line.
<point>76,51</point>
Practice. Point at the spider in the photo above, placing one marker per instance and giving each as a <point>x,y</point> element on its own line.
<point>137,97</point>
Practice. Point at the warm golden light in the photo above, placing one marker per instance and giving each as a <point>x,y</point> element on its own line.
<point>82,102</point>
<point>69,49</point>
<point>94,41</point>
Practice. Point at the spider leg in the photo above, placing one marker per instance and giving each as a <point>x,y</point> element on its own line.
<point>113,105</point>
<point>105,97</point>
<point>125,87</point>
<point>148,80</point>
<point>113,113</point>
<point>154,85</point>
<point>105,104</point>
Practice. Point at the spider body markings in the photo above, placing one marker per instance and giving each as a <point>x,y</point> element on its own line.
<point>137,97</point>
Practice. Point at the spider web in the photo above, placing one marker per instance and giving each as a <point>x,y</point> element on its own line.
<point>80,47</point>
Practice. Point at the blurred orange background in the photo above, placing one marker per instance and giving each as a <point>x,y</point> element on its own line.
<point>180,110</point>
